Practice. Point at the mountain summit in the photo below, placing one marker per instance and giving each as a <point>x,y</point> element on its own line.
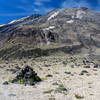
<point>75,27</point>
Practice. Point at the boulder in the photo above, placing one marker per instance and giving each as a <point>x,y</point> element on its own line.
<point>83,72</point>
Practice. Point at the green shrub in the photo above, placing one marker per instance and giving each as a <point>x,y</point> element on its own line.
<point>79,96</point>
<point>61,89</point>
<point>48,91</point>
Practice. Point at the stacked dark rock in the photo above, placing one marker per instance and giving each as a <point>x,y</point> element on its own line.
<point>26,76</point>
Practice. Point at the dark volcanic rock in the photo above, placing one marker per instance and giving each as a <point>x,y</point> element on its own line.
<point>96,66</point>
<point>83,72</point>
<point>49,75</point>
<point>67,72</point>
<point>26,76</point>
<point>5,83</point>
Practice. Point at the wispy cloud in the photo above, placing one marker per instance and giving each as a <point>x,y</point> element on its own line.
<point>37,6</point>
<point>43,10</point>
<point>40,6</point>
<point>81,3</point>
<point>75,3</point>
<point>14,14</point>
<point>40,2</point>
<point>26,9</point>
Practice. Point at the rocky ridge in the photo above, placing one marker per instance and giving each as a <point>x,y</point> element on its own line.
<point>68,27</point>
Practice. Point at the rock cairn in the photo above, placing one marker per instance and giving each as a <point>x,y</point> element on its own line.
<point>26,76</point>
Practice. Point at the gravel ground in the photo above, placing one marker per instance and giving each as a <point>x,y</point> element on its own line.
<point>85,87</point>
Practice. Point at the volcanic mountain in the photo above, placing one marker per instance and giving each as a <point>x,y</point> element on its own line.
<point>70,30</point>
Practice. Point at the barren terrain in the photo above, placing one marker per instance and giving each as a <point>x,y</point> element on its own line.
<point>63,78</point>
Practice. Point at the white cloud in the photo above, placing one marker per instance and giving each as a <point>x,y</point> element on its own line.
<point>40,2</point>
<point>48,9</point>
<point>68,3</point>
<point>38,6</point>
<point>74,3</point>
<point>26,9</point>
<point>36,10</point>
<point>41,7</point>
<point>43,10</point>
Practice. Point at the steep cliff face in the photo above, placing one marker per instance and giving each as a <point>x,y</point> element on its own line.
<point>69,27</point>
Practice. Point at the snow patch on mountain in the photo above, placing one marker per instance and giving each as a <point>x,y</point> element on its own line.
<point>18,20</point>
<point>70,21</point>
<point>54,15</point>
<point>2,25</point>
<point>50,27</point>
<point>12,21</point>
<point>73,17</point>
<point>23,18</point>
<point>80,14</point>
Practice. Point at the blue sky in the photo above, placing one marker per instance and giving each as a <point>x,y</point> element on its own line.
<point>14,9</point>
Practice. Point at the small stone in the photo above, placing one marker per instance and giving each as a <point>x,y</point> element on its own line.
<point>56,72</point>
<point>64,89</point>
<point>67,72</point>
<point>5,83</point>
<point>47,65</point>
<point>49,75</point>
<point>83,72</point>
<point>95,70</point>
<point>96,66</point>
<point>17,67</point>
<point>55,83</point>
<point>86,66</point>
<point>12,95</point>
<point>72,66</point>
<point>52,98</point>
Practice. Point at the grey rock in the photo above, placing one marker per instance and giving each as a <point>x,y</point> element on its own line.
<point>12,95</point>
<point>83,72</point>
<point>5,83</point>
<point>67,72</point>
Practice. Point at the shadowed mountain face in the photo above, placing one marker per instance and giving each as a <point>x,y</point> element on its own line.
<point>79,27</point>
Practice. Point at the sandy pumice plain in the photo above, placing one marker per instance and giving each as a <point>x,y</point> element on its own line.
<point>63,78</point>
